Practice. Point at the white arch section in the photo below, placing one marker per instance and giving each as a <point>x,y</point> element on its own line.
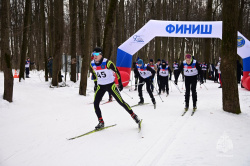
<point>157,28</point>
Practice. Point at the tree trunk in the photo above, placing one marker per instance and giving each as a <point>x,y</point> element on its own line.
<point>43,34</point>
<point>207,51</point>
<point>98,25</point>
<point>25,40</point>
<point>230,94</point>
<point>5,51</point>
<point>73,22</point>
<point>158,39</point>
<point>87,45</point>
<point>240,17</point>
<point>51,28</point>
<point>108,32</point>
<point>59,34</point>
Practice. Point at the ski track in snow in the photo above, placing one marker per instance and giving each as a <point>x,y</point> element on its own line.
<point>35,127</point>
<point>158,148</point>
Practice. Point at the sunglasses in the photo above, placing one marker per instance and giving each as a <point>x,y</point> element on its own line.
<point>96,53</point>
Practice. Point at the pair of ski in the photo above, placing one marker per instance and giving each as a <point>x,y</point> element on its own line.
<point>142,105</point>
<point>96,130</point>
<point>186,109</point>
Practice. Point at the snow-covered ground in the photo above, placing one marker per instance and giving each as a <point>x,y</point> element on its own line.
<point>35,127</point>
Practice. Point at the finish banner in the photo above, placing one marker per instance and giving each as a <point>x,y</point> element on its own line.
<point>191,29</point>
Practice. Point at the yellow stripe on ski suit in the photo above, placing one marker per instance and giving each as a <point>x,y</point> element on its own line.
<point>119,96</point>
<point>97,89</point>
<point>108,65</point>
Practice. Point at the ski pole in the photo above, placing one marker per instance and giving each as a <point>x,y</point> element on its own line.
<point>124,92</point>
<point>158,94</point>
<point>132,81</point>
<point>205,86</point>
<point>177,87</point>
<point>170,86</point>
<point>127,94</point>
<point>138,84</point>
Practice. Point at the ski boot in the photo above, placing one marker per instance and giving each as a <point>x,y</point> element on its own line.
<point>167,93</point>
<point>135,117</point>
<point>110,98</point>
<point>186,107</point>
<point>100,124</point>
<point>194,106</point>
<point>141,101</point>
<point>153,101</point>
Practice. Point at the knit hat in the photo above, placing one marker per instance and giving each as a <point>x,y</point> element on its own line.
<point>97,49</point>
<point>158,60</point>
<point>151,60</point>
<point>188,56</point>
<point>163,61</point>
<point>140,62</point>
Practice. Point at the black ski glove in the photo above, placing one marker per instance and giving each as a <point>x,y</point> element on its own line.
<point>120,86</point>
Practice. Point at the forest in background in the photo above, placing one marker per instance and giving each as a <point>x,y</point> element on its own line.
<point>130,16</point>
<point>39,29</point>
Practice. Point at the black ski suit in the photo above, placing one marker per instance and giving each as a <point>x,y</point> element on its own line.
<point>147,80</point>
<point>110,87</point>
<point>163,79</point>
<point>190,79</point>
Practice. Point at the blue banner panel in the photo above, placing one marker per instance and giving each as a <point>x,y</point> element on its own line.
<point>123,59</point>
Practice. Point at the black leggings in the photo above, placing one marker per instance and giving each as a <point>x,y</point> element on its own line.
<point>164,84</point>
<point>111,88</point>
<point>148,84</point>
<point>190,82</point>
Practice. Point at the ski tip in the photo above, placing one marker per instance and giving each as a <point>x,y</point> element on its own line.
<point>139,126</point>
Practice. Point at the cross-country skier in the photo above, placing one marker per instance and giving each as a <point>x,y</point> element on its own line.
<point>175,68</point>
<point>146,73</point>
<point>204,70</point>
<point>136,76</point>
<point>152,65</point>
<point>219,72</point>
<point>163,72</point>
<point>191,69</point>
<point>103,73</point>
<point>157,66</point>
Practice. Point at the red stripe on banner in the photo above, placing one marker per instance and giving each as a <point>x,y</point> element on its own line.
<point>126,69</point>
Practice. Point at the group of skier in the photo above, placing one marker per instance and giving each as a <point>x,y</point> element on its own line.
<point>190,68</point>
<point>103,75</point>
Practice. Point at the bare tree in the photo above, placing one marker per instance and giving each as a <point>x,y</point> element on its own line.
<point>109,26</point>
<point>59,26</point>
<point>5,51</point>
<point>230,94</point>
<point>207,51</point>
<point>87,46</point>
<point>43,34</point>
<point>73,23</point>
<point>25,39</point>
